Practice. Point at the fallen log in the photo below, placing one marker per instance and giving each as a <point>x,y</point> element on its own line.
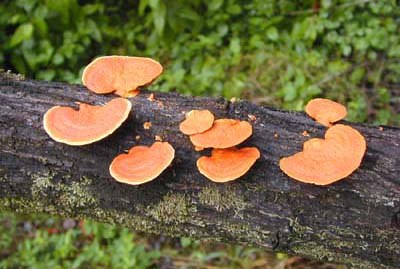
<point>355,221</point>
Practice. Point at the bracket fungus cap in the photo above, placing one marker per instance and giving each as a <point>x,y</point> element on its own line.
<point>224,133</point>
<point>325,111</point>
<point>324,161</point>
<point>196,122</point>
<point>86,125</point>
<point>120,74</point>
<point>227,164</point>
<point>142,164</point>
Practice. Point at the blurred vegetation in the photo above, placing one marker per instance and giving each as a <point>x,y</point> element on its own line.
<point>47,242</point>
<point>280,53</point>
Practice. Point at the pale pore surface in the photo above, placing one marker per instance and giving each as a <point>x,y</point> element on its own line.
<point>142,164</point>
<point>224,133</point>
<point>227,164</point>
<point>325,111</point>
<point>88,124</point>
<point>197,121</point>
<point>324,161</point>
<point>122,74</point>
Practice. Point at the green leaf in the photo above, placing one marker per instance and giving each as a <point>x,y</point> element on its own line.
<point>290,92</point>
<point>27,5</point>
<point>19,64</point>
<point>215,4</point>
<point>62,7</point>
<point>46,75</point>
<point>234,45</point>
<point>234,9</point>
<point>159,15</point>
<point>357,75</point>
<point>383,116</point>
<point>23,32</point>
<point>186,242</point>
<point>142,6</point>
<point>346,50</point>
<point>94,30</point>
<point>272,33</point>
<point>90,9</point>
<point>40,26</point>
<point>338,66</point>
<point>383,96</point>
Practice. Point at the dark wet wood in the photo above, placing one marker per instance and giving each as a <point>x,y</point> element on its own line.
<point>355,221</point>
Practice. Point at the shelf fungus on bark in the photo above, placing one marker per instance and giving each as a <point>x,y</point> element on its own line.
<point>325,111</point>
<point>324,161</point>
<point>122,75</point>
<point>196,122</point>
<point>227,164</point>
<point>142,164</point>
<point>224,133</point>
<point>88,124</point>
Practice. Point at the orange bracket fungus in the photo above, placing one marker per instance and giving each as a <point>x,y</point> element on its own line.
<point>197,121</point>
<point>227,164</point>
<point>324,161</point>
<point>224,133</point>
<point>142,164</point>
<point>325,111</point>
<point>86,125</point>
<point>120,74</point>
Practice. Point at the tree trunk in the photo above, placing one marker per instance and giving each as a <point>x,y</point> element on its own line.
<point>355,221</point>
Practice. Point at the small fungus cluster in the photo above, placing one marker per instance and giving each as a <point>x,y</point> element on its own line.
<point>324,161</point>
<point>122,76</point>
<point>226,162</point>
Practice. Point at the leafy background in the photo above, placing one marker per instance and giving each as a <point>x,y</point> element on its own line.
<point>278,53</point>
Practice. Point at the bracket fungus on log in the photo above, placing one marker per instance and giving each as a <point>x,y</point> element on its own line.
<point>86,125</point>
<point>324,161</point>
<point>120,74</point>
<point>227,164</point>
<point>142,164</point>
<point>224,133</point>
<point>196,122</point>
<point>325,111</point>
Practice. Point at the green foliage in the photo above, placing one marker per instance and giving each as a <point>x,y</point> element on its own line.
<point>281,53</point>
<point>95,245</point>
<point>46,242</point>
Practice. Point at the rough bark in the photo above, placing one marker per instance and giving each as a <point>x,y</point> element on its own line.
<point>355,221</point>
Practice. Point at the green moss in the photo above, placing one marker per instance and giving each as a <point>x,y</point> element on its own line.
<point>298,228</point>
<point>146,223</point>
<point>323,247</point>
<point>317,251</point>
<point>120,217</point>
<point>247,233</point>
<point>221,200</point>
<point>70,197</point>
<point>22,205</point>
<point>174,208</point>
<point>52,198</point>
<point>77,195</point>
<point>67,200</point>
<point>41,184</point>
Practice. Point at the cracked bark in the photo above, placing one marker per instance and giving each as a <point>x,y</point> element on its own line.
<point>355,221</point>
